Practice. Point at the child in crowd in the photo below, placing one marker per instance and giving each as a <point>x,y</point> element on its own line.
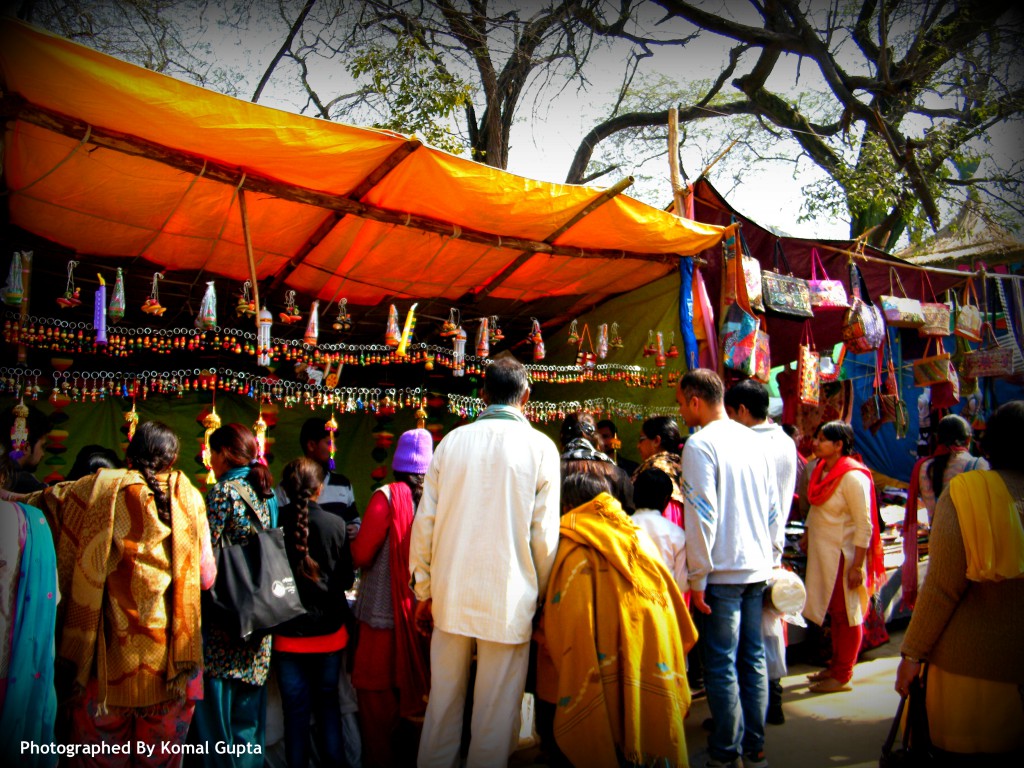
<point>652,490</point>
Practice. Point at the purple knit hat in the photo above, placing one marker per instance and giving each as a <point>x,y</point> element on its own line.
<point>413,453</point>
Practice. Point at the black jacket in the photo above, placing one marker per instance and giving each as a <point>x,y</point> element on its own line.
<point>324,599</point>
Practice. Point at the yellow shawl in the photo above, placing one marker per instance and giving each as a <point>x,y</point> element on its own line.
<point>617,631</point>
<point>109,551</point>
<point>990,523</point>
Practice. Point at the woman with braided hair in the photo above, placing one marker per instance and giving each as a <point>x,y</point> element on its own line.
<point>308,649</point>
<point>234,708</point>
<point>133,552</point>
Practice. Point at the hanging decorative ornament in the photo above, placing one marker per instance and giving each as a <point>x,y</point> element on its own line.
<point>14,290</point>
<point>117,304</point>
<point>263,324</point>
<point>615,342</point>
<point>391,336</point>
<point>496,334</point>
<point>673,350</point>
<point>586,360</point>
<point>331,375</point>
<point>659,351</point>
<point>152,306</point>
<point>410,324</point>
<point>260,430</point>
<point>574,334</point>
<point>132,419</point>
<point>602,341</point>
<point>313,326</point>
<point>537,340</point>
<point>246,307</point>
<point>206,320</point>
<point>343,322</point>
<point>421,417</point>
<point>212,423</point>
<point>451,326</point>
<point>331,426</point>
<point>19,432</point>
<point>99,312</point>
<point>291,314</point>
<point>651,349</point>
<point>459,352</point>
<point>72,296</point>
<point>483,338</point>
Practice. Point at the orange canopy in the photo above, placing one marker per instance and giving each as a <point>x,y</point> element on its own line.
<point>120,162</point>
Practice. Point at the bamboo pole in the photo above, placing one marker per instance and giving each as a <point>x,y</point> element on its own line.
<point>250,256</point>
<point>675,177</point>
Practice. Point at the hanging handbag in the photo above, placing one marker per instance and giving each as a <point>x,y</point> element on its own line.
<point>968,317</point>
<point>871,408</point>
<point>785,295</point>
<point>255,589</point>
<point>915,750</point>
<point>990,360</point>
<point>900,311</point>
<point>937,314</point>
<point>863,326</point>
<point>763,354</point>
<point>751,274</point>
<point>894,409</point>
<point>807,371</point>
<point>935,368</point>
<point>740,333</point>
<point>829,370</point>
<point>826,294</point>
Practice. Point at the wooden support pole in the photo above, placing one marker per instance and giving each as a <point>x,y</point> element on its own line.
<point>250,256</point>
<point>675,177</point>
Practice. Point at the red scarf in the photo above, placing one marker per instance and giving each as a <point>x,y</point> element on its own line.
<point>412,672</point>
<point>820,489</point>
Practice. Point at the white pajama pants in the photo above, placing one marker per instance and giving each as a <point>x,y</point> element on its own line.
<point>497,701</point>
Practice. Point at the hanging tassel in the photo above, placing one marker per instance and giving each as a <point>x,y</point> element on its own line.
<point>659,352</point>
<point>537,339</point>
<point>331,426</point>
<point>602,341</point>
<point>410,323</point>
<point>391,336</point>
<point>459,352</point>
<point>212,423</point>
<point>132,419</point>
<point>19,432</point>
<point>117,305</point>
<point>152,306</point>
<point>313,326</point>
<point>72,295</point>
<point>483,338</point>
<point>206,320</point>
<point>260,430</point>
<point>14,290</point>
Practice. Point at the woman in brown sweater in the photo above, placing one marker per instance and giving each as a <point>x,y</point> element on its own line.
<point>968,624</point>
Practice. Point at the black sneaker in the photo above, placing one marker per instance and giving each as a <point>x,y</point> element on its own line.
<point>775,715</point>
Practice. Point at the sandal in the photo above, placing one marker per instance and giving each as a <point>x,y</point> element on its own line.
<point>831,685</point>
<point>817,677</point>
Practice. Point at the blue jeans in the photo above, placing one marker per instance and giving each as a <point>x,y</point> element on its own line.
<point>309,685</point>
<point>735,672</point>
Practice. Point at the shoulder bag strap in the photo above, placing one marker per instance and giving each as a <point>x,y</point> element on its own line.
<point>780,258</point>
<point>245,492</point>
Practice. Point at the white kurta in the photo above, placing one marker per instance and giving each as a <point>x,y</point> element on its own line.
<point>838,526</point>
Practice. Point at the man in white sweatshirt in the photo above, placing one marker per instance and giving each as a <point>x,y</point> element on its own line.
<point>732,518</point>
<point>746,402</point>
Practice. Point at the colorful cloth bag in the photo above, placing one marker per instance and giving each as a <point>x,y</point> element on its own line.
<point>935,368</point>
<point>785,295</point>
<point>989,361</point>
<point>826,294</point>
<point>937,314</point>
<point>737,246</point>
<point>968,317</point>
<point>863,326</point>
<point>807,367</point>
<point>900,311</point>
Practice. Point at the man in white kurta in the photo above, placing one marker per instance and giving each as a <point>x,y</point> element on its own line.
<point>483,544</point>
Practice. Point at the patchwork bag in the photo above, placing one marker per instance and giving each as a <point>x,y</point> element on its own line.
<point>807,369</point>
<point>968,317</point>
<point>763,355</point>
<point>894,409</point>
<point>935,368</point>
<point>871,408</point>
<point>826,294</point>
<point>900,311</point>
<point>740,333</point>
<point>989,361</point>
<point>785,295</point>
<point>937,315</point>
<point>863,326</point>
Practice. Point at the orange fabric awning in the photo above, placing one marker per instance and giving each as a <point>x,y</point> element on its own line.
<point>117,161</point>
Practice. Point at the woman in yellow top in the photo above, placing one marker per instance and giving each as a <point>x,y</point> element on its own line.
<point>617,632</point>
<point>968,624</point>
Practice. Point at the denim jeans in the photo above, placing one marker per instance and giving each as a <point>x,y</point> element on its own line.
<point>309,685</point>
<point>735,672</point>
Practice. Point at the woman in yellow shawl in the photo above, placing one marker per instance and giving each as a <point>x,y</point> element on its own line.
<point>616,633</point>
<point>968,624</point>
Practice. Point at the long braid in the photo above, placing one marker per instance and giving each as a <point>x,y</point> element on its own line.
<point>153,449</point>
<point>301,481</point>
<point>160,497</point>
